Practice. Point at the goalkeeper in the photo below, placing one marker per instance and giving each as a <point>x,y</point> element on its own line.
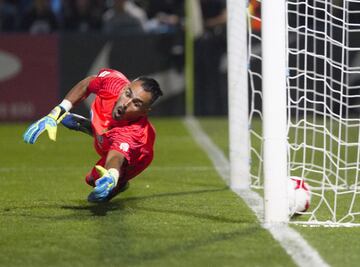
<point>123,136</point>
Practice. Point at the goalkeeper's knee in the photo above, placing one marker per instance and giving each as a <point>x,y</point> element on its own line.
<point>78,123</point>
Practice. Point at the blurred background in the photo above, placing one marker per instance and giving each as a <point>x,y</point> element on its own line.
<point>47,46</point>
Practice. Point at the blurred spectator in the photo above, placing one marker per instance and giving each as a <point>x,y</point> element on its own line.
<point>24,5</point>
<point>40,18</point>
<point>214,16</point>
<point>56,7</point>
<point>137,11</point>
<point>8,16</point>
<point>111,16</point>
<point>165,15</point>
<point>121,19</point>
<point>81,16</point>
<point>210,82</point>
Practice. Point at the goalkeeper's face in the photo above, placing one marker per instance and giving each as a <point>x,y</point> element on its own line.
<point>133,103</point>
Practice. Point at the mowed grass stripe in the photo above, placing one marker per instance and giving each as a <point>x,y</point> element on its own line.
<point>177,213</point>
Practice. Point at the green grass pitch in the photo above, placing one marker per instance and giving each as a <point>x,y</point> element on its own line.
<point>177,213</point>
<point>338,246</point>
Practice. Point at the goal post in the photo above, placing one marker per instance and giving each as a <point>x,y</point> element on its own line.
<point>303,121</point>
<point>239,149</point>
<point>274,110</point>
<point>274,96</point>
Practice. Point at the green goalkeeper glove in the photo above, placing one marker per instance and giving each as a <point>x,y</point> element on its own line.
<point>48,123</point>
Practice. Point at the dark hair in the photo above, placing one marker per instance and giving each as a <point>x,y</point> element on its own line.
<point>152,86</point>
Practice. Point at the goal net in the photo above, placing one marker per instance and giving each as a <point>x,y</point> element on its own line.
<point>323,105</point>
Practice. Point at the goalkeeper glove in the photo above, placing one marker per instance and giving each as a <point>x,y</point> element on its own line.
<point>104,185</point>
<point>48,123</point>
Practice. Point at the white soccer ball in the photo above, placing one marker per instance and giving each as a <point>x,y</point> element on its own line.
<point>299,195</point>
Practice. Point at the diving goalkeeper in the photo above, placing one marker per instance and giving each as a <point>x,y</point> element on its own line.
<point>123,136</point>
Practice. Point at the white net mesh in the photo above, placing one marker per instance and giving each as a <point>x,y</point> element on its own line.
<point>323,87</point>
<point>255,83</point>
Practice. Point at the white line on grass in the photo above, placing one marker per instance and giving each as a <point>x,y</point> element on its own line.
<point>293,243</point>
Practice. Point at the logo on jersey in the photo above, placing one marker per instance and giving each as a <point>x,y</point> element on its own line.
<point>124,147</point>
<point>104,73</point>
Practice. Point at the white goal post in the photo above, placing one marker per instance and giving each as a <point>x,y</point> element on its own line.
<point>276,207</point>
<point>274,111</point>
<point>238,95</point>
<point>302,76</point>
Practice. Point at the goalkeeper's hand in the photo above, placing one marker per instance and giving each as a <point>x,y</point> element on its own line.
<point>48,123</point>
<point>104,185</point>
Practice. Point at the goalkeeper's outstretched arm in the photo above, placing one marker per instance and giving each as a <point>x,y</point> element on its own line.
<point>49,123</point>
<point>109,177</point>
<point>78,92</point>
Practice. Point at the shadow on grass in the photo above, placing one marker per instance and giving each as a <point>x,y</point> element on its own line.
<point>99,209</point>
<point>131,204</point>
<point>126,205</point>
<point>173,194</point>
<point>199,215</point>
<point>102,209</point>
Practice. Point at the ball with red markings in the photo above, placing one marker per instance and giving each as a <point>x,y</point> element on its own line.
<point>299,195</point>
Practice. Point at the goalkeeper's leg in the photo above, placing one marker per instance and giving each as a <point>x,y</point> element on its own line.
<point>78,123</point>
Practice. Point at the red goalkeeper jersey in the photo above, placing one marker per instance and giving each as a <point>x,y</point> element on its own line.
<point>135,140</point>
